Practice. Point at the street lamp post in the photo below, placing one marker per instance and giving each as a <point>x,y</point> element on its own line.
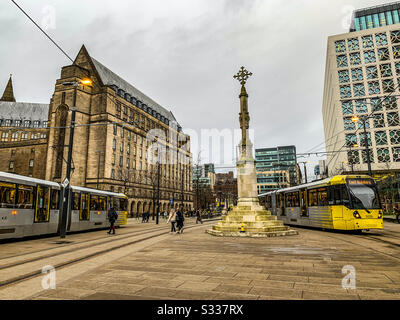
<point>183,174</point>
<point>98,168</point>
<point>158,187</point>
<point>67,188</point>
<point>305,170</point>
<point>364,120</point>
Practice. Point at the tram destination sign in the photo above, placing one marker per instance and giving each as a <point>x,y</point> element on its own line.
<point>361,181</point>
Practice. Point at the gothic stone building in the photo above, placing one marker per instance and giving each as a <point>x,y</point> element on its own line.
<point>110,146</point>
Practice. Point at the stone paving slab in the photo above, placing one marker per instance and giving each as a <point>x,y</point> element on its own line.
<point>196,265</point>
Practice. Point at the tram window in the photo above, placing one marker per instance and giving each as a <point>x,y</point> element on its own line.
<point>345,196</point>
<point>76,196</point>
<point>42,204</point>
<point>295,199</point>
<point>84,213</point>
<point>25,197</point>
<point>302,198</point>
<point>288,198</point>
<point>312,197</point>
<point>322,197</point>
<point>123,204</point>
<point>334,197</point>
<point>102,204</point>
<point>94,203</point>
<point>55,198</point>
<point>7,195</point>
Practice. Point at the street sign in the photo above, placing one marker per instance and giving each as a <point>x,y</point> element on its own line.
<point>65,183</point>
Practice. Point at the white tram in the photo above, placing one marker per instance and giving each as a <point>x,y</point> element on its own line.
<point>30,206</point>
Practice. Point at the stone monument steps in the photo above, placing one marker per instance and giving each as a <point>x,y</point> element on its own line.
<point>255,234</point>
<point>248,218</point>
<point>251,225</point>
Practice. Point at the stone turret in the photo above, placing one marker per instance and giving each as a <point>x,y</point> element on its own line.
<point>8,94</point>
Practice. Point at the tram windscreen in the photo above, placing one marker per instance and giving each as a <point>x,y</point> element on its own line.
<point>363,194</point>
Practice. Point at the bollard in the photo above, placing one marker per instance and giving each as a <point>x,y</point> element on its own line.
<point>242,228</point>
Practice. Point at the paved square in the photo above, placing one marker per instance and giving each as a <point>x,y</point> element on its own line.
<point>195,265</point>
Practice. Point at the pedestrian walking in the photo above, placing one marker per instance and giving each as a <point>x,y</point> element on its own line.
<point>172,219</point>
<point>180,217</point>
<point>112,217</point>
<point>137,216</point>
<point>198,217</point>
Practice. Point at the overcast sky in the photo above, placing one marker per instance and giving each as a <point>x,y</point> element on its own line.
<point>183,54</point>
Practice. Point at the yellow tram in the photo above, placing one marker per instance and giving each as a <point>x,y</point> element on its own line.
<point>343,202</point>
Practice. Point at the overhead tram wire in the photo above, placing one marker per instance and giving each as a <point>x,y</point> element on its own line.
<point>44,32</point>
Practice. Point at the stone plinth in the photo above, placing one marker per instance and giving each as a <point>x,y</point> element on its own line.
<point>257,222</point>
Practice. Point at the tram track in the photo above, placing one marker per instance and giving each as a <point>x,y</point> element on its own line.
<point>78,245</point>
<point>62,262</point>
<point>371,238</point>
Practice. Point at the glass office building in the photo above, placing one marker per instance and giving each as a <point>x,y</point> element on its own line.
<point>375,17</point>
<point>276,168</point>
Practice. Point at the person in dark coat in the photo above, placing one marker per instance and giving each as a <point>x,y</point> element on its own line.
<point>113,216</point>
<point>179,221</point>
<point>198,217</point>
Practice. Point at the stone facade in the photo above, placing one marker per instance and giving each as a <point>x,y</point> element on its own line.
<point>114,126</point>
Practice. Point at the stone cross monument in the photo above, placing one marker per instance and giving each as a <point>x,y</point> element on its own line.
<point>248,218</point>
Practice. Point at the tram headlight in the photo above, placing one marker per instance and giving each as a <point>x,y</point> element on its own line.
<point>356,215</point>
<point>14,212</point>
<point>380,214</point>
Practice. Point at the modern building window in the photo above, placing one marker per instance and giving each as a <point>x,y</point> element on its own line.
<point>36,124</point>
<point>18,123</point>
<point>112,173</point>
<point>34,136</point>
<point>43,136</point>
<point>44,124</point>
<point>121,161</point>
<point>122,147</point>
<point>11,165</point>
<point>115,129</point>
<point>7,123</point>
<point>27,123</point>
<point>127,162</point>
<point>24,135</point>
<point>128,149</point>
<point>113,159</point>
<point>31,163</point>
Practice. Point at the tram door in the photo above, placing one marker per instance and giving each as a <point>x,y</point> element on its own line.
<point>42,213</point>
<point>84,211</point>
<point>303,203</point>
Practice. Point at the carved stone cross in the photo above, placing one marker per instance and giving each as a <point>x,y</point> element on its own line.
<point>242,75</point>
